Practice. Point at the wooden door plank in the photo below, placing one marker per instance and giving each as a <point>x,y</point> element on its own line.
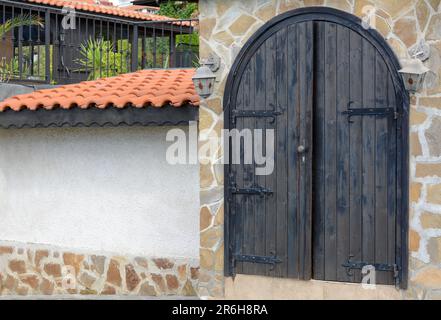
<point>249,176</point>
<point>259,123</point>
<point>342,214</point>
<point>355,152</point>
<point>391,177</point>
<point>330,151</point>
<point>271,183</point>
<point>305,107</point>
<point>381,157</point>
<point>238,175</point>
<point>292,143</point>
<point>368,143</point>
<point>281,159</point>
<point>319,157</point>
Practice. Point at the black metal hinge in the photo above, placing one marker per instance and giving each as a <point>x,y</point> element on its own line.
<point>254,114</point>
<point>271,260</point>
<point>359,265</point>
<point>351,112</point>
<point>257,259</point>
<point>254,190</point>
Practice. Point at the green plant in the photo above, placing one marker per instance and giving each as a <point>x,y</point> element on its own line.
<point>178,9</point>
<point>9,69</point>
<point>100,59</point>
<point>183,10</point>
<point>24,20</point>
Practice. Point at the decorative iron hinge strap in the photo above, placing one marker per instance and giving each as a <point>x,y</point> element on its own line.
<point>254,114</point>
<point>350,265</point>
<point>256,190</point>
<point>351,112</point>
<point>369,112</point>
<point>257,259</point>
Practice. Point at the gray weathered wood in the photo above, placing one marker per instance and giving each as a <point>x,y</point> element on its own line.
<point>340,201</point>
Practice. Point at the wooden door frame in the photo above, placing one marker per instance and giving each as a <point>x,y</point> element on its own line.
<point>354,23</point>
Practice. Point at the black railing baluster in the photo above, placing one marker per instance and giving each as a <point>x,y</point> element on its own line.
<point>73,40</point>
<point>108,50</point>
<point>38,47</point>
<point>59,70</point>
<point>114,48</point>
<point>154,46</point>
<point>162,46</point>
<point>3,23</point>
<point>101,44</point>
<point>179,45</point>
<point>143,43</point>
<point>30,50</point>
<point>20,49</point>
<point>129,49</point>
<point>85,41</point>
<point>172,49</point>
<point>135,48</point>
<point>93,42</point>
<point>120,47</point>
<point>47,45</point>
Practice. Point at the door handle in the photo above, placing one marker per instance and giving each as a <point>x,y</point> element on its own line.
<point>301,149</point>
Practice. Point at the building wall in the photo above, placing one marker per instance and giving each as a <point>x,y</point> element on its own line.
<point>226,26</point>
<point>95,191</point>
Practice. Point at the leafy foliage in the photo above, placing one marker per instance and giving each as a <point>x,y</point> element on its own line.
<point>183,10</point>
<point>11,67</point>
<point>25,20</point>
<point>178,9</point>
<point>100,59</point>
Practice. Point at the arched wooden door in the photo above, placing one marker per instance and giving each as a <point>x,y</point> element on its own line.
<point>337,198</point>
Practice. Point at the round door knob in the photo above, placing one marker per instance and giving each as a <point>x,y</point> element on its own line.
<point>301,149</point>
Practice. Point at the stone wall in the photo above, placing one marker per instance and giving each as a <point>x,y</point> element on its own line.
<point>27,269</point>
<point>224,28</point>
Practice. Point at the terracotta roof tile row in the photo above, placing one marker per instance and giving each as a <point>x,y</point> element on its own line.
<point>144,88</point>
<point>110,10</point>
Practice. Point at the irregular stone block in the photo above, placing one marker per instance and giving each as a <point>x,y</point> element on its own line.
<point>113,273</point>
<point>31,280</point>
<point>53,269</point>
<point>132,278</point>
<point>172,282</point>
<point>73,260</point>
<point>46,287</point>
<point>147,290</point>
<point>40,254</point>
<point>160,283</point>
<point>429,278</point>
<point>18,266</point>
<point>162,263</point>
<point>6,250</point>
<point>242,24</point>
<point>414,240</point>
<point>433,135</point>
<point>430,220</point>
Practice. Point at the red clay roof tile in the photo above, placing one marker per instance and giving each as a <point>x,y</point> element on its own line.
<point>144,88</point>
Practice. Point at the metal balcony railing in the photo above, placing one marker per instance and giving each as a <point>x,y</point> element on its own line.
<point>42,44</point>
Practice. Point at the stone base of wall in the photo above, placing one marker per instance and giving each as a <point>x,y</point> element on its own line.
<point>28,269</point>
<point>257,287</point>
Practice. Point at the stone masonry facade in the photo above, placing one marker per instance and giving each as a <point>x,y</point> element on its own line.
<point>37,270</point>
<point>225,26</point>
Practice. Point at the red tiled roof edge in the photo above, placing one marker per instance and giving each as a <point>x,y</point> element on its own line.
<point>115,11</point>
<point>156,88</point>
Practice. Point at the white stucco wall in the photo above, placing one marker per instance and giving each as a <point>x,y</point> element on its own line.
<point>106,189</point>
